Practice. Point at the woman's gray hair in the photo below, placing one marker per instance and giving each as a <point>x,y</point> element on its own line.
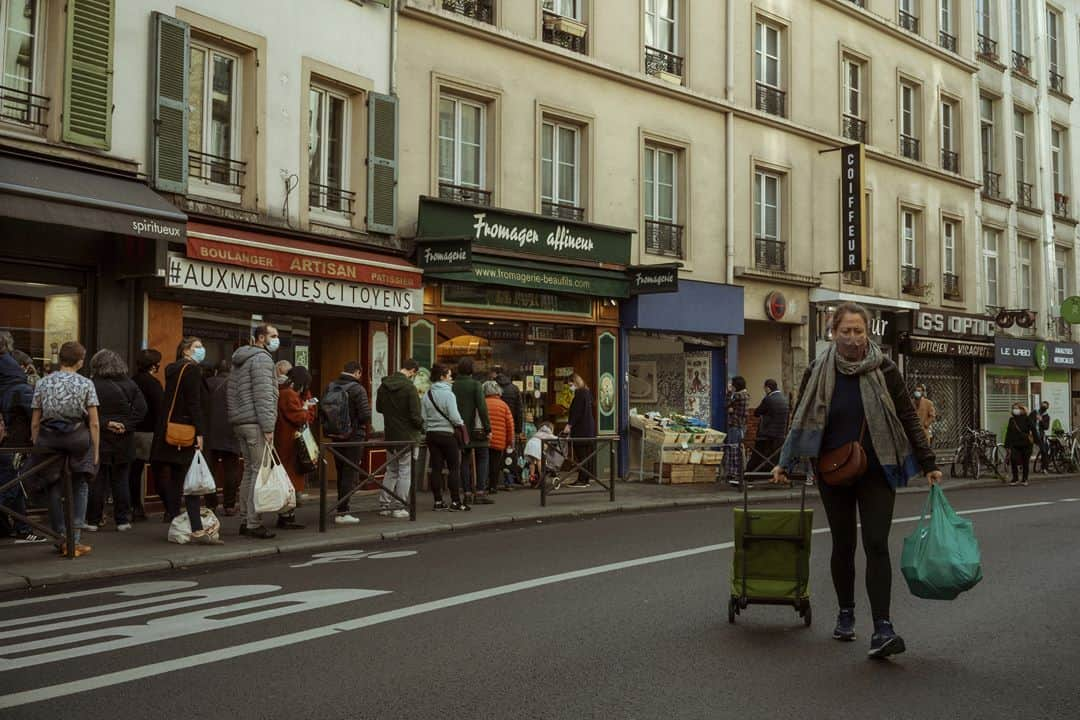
<point>7,342</point>
<point>848,308</point>
<point>492,388</point>
<point>108,364</point>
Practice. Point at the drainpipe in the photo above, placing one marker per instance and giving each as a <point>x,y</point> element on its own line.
<point>729,144</point>
<point>393,47</point>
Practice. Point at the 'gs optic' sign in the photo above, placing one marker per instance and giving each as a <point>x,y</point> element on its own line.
<point>852,217</point>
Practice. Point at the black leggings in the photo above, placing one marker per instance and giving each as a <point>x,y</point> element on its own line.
<point>443,450</point>
<point>874,498</point>
<point>1018,459</point>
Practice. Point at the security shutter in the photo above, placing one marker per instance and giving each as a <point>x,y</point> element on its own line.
<point>88,75</point>
<point>382,163</point>
<point>171,40</point>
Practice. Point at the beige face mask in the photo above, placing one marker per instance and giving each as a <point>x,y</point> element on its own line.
<point>851,348</point>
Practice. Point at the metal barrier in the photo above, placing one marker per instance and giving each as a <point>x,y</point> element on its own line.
<point>394,450</point>
<point>579,465</point>
<point>34,469</point>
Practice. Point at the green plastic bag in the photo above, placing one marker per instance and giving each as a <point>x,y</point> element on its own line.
<point>941,558</point>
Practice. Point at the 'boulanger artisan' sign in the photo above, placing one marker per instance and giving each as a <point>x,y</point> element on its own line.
<point>187,274</point>
<point>646,279</point>
<point>852,217</point>
<point>444,255</point>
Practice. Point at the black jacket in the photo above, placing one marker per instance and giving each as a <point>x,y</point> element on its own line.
<point>400,405</point>
<point>773,414</point>
<point>16,397</point>
<point>150,387</point>
<point>190,399</point>
<point>359,407</point>
<point>582,414</point>
<point>1020,431</point>
<point>512,397</point>
<point>219,432</point>
<point>120,401</point>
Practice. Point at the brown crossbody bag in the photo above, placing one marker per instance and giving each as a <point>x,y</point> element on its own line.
<point>178,435</point>
<point>841,466</point>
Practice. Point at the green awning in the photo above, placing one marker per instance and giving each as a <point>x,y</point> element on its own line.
<point>492,270</point>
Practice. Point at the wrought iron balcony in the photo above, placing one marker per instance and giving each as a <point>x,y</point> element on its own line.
<point>947,41</point>
<point>1021,63</point>
<point>911,280</point>
<point>909,147</point>
<point>482,10</point>
<point>908,22</point>
<point>854,128</point>
<point>23,107</point>
<point>217,169</point>
<point>663,238</point>
<point>770,254</point>
<point>1023,194</point>
<point>464,193</point>
<point>658,61</point>
<point>986,48</point>
<point>860,3</point>
<point>991,184</point>
<point>331,198</point>
<point>1057,81</point>
<point>950,286</point>
<point>950,161</point>
<point>557,36</point>
<point>771,100</point>
<point>561,210</point>
<point>1061,205</point>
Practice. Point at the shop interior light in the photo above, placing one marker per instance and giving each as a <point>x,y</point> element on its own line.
<point>442,319</point>
<point>491,322</point>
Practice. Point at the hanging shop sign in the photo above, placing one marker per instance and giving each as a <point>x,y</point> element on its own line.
<point>1020,353</point>
<point>950,348</point>
<point>776,305</point>
<point>448,255</point>
<point>187,274</point>
<point>852,216</point>
<point>645,279</point>
<point>958,325</point>
<point>1063,355</point>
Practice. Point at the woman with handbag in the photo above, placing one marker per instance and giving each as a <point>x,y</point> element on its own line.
<point>1019,441</point>
<point>295,412</point>
<point>855,421</point>
<point>446,436</point>
<point>180,433</point>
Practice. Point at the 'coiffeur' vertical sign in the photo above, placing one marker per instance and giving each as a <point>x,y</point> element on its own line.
<point>852,215</point>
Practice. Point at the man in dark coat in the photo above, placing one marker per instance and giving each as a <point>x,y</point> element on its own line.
<point>147,364</point>
<point>224,450</point>
<point>359,418</point>
<point>772,416</point>
<point>473,408</point>
<point>399,404</point>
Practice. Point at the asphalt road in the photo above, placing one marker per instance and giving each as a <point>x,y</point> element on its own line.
<point>615,617</point>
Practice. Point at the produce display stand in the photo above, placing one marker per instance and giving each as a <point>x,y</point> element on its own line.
<point>690,455</point>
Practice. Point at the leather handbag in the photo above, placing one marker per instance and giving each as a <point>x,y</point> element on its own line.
<point>841,466</point>
<point>178,435</point>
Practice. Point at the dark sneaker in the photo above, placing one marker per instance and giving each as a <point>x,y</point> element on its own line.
<point>459,507</point>
<point>288,523</point>
<point>29,537</point>
<point>243,529</point>
<point>885,641</point>
<point>845,625</point>
<point>260,532</point>
<point>440,505</point>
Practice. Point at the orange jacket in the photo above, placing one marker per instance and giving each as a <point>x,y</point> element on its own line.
<point>502,423</point>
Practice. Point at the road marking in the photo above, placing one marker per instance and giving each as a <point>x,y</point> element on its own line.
<point>159,668</point>
<point>130,590</point>
<point>337,556</point>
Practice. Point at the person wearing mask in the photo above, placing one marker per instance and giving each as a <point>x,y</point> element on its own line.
<point>512,397</point>
<point>852,399</point>
<point>582,424</point>
<point>16,409</point>
<point>147,365</point>
<point>27,364</point>
<point>501,441</point>
<point>295,412</point>
<point>223,448</point>
<point>121,410</point>
<point>738,412</point>
<point>1042,422</point>
<point>65,422</point>
<point>346,413</point>
<point>441,418</point>
<point>251,405</point>
<point>400,407</point>
<point>282,368</point>
<point>474,460</point>
<point>185,403</point>
<point>927,412</point>
<point>772,416</point>
<point>1019,440</point>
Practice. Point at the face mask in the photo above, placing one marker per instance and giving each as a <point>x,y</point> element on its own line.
<point>198,354</point>
<point>851,347</point>
<point>273,344</point>
<point>918,394</point>
<point>1016,411</point>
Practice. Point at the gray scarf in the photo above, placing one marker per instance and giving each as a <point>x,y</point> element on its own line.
<point>886,432</point>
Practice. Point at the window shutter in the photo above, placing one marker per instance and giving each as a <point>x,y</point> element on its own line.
<point>88,78</point>
<point>382,163</point>
<point>171,40</point>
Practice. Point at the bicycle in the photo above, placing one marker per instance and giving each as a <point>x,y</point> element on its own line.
<point>1063,453</point>
<point>978,451</point>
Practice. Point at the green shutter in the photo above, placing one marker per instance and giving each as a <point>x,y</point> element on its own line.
<point>382,163</point>
<point>88,74</point>
<point>422,343</point>
<point>170,49</point>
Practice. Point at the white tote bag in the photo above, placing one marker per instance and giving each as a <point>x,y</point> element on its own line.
<point>274,491</point>
<point>180,529</point>
<point>199,480</point>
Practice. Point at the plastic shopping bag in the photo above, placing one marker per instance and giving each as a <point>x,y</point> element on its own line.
<point>199,480</point>
<point>180,529</point>
<point>274,491</point>
<point>941,558</point>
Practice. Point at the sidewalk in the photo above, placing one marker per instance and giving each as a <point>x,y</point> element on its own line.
<point>145,548</point>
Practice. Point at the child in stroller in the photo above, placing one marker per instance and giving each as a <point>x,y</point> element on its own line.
<point>555,454</point>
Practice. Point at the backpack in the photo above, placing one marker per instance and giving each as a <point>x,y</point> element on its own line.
<point>335,412</point>
<point>14,425</point>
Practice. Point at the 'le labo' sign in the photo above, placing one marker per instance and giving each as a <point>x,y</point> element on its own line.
<point>523,232</point>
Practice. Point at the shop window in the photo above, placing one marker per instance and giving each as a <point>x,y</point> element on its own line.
<point>463,150</point>
<point>328,153</point>
<point>560,170</point>
<point>422,343</point>
<point>214,165</point>
<point>20,54</point>
<point>222,331</point>
<point>41,318</point>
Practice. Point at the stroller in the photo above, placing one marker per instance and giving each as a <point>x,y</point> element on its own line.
<point>555,456</point>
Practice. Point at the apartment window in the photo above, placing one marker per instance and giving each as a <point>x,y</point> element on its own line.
<point>1021,61</point>
<point>20,55</point>
<point>214,121</point>
<point>950,158</point>
<point>769,249</point>
<point>662,39</point>
<point>1053,50</point>
<point>946,33</point>
<point>909,18</point>
<point>328,153</point>
<point>560,167</point>
<point>951,280</point>
<point>909,240</point>
<point>462,154</point>
<point>1026,245</point>
<point>562,24</point>
<point>663,232</point>
<point>1061,277</point>
<point>1023,188</point>
<point>910,274</point>
<point>1056,159</point>
<point>481,10</point>
<point>565,8</point>
<point>853,120</point>
<point>909,120</point>
<point>986,132</point>
<point>767,69</point>
<point>991,242</point>
<point>984,24</point>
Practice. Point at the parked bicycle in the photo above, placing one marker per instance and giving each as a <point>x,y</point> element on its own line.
<point>978,453</point>
<point>1063,453</point>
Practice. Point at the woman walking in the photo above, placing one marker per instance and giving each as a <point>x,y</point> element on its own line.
<point>582,424</point>
<point>295,412</point>
<point>121,410</point>
<point>853,405</point>
<point>441,420</point>
<point>502,434</point>
<point>1019,440</point>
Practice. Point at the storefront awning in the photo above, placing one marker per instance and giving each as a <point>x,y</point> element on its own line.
<point>698,307</point>
<point>824,295</point>
<point>62,195</point>
<point>524,274</point>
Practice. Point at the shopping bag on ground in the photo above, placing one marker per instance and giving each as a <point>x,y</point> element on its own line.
<point>941,558</point>
<point>274,491</point>
<point>180,529</point>
<point>199,480</point>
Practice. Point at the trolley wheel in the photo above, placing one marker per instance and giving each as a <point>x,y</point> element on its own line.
<point>732,608</point>
<point>807,617</point>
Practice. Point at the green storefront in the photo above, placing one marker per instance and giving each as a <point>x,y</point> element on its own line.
<point>1028,372</point>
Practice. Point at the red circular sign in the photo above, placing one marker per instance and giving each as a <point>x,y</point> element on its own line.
<point>775,305</point>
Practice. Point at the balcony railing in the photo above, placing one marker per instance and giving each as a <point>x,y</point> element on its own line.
<point>860,3</point>
<point>770,254</point>
<point>1023,194</point>
<point>331,198</point>
<point>662,238</point>
<point>947,41</point>
<point>911,280</point>
<point>556,36</point>
<point>658,61</point>
<point>1057,81</point>
<point>950,161</point>
<point>950,286</point>
<point>908,22</point>
<point>1021,63</point>
<point>986,48</point>
<point>991,184</point>
<point>217,169</point>
<point>771,100</point>
<point>909,147</point>
<point>854,128</point>
<point>23,107</point>
<point>464,193</point>
<point>1061,205</point>
<point>482,10</point>
<point>562,211</point>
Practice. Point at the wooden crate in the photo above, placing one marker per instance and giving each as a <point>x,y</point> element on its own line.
<point>676,457</point>
<point>712,457</point>
<point>681,474</point>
